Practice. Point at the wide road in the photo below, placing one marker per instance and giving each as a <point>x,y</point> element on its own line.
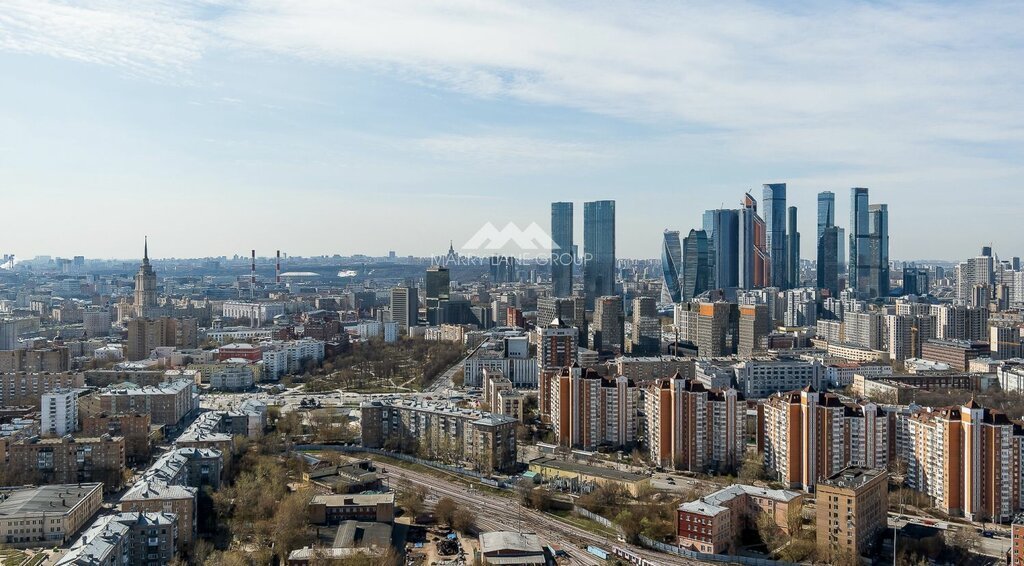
<point>496,513</point>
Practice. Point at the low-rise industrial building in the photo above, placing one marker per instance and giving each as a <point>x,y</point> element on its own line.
<point>583,478</point>
<point>47,515</point>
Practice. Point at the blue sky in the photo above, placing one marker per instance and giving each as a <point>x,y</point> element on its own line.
<point>331,127</point>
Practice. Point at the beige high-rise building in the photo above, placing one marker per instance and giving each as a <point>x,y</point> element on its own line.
<point>712,325</point>
<point>807,436</point>
<point>690,427</point>
<point>145,286</point>
<point>589,410</point>
<point>146,334</point>
<point>852,509</point>
<point>755,325</point>
<point>609,324</point>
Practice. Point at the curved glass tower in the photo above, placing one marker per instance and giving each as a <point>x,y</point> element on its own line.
<point>671,260</point>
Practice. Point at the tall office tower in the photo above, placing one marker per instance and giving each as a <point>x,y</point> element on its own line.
<point>609,324</point>
<point>145,285</point>
<point>599,249</point>
<point>878,223</point>
<point>792,251</point>
<point>646,332</point>
<point>723,229</point>
<point>405,307</point>
<point>774,200</point>
<point>712,327</point>
<point>562,256</point>
<point>826,211</point>
<point>690,427</point>
<point>860,237</point>
<point>59,412</point>
<point>696,271</point>
<point>915,281</point>
<point>754,327</point>
<point>841,245</point>
<point>752,262</point>
<point>438,284</point>
<point>828,262</point>
<point>671,263</point>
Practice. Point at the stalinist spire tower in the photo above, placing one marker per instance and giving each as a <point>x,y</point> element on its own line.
<point>145,285</point>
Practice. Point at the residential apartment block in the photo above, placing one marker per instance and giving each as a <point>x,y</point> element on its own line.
<point>590,410</point>
<point>690,427</point>
<point>486,441</point>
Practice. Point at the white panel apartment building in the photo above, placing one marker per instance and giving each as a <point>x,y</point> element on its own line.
<point>60,412</point>
<point>261,312</point>
<point>280,358</point>
<point>759,378</point>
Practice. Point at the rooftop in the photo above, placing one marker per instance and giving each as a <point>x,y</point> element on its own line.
<point>45,498</point>
<point>852,477</point>
<point>497,541</point>
<point>583,469</point>
<point>354,499</point>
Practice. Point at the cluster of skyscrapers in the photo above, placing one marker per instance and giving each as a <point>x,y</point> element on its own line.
<point>747,249</point>
<point>598,249</point>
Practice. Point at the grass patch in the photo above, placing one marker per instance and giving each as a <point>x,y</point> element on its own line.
<point>588,525</point>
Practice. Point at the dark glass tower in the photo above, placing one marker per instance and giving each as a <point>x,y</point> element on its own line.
<point>671,262</point>
<point>562,256</point>
<point>792,251</point>
<point>696,271</point>
<point>598,249</point>
<point>774,203</point>
<point>860,236</point>
<point>826,212</point>
<point>828,260</point>
<point>878,224</point>
<point>723,230</point>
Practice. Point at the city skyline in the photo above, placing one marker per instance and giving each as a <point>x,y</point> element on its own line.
<point>226,106</point>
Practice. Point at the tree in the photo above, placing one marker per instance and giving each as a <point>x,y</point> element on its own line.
<point>463,520</point>
<point>752,468</point>
<point>963,540</point>
<point>412,498</point>
<point>445,510</point>
<point>290,523</point>
<point>769,531</point>
<point>794,519</point>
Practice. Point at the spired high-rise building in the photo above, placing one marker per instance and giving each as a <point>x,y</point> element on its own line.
<point>774,203</point>
<point>792,251</point>
<point>723,229</point>
<point>145,285</point>
<point>598,249</point>
<point>562,256</point>
<point>696,271</point>
<point>671,263</point>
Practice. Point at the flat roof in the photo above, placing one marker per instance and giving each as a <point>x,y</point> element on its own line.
<point>520,543</point>
<point>584,469</point>
<point>45,498</point>
<point>340,500</point>
<point>852,477</point>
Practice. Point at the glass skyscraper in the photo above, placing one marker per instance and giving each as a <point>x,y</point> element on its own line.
<point>792,250</point>
<point>828,260</point>
<point>869,246</point>
<point>694,278</point>
<point>598,249</point>
<point>774,203</point>
<point>671,262</point>
<point>826,211</point>
<point>562,256</point>
<point>722,227</point>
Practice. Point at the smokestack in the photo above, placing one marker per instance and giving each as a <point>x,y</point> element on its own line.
<point>278,267</point>
<point>252,277</point>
